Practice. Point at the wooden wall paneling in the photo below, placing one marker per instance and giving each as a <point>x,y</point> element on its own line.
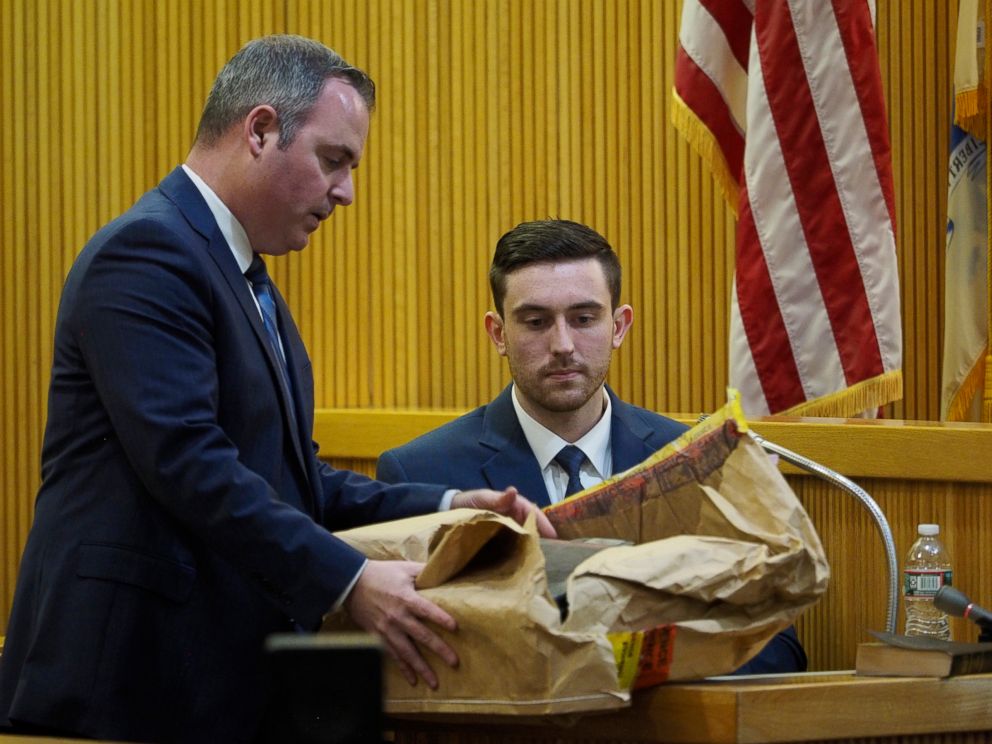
<point>491,112</point>
<point>857,596</point>
<point>631,244</point>
<point>12,506</point>
<point>378,267</point>
<point>856,600</point>
<point>916,44</point>
<point>461,294</point>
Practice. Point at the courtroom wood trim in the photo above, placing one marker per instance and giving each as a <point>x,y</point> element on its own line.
<point>770,708</point>
<point>858,448</point>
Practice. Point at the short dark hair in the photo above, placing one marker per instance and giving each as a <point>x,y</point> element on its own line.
<point>551,241</point>
<point>283,71</point>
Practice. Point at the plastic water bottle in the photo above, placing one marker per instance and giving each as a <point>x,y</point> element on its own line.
<point>928,567</point>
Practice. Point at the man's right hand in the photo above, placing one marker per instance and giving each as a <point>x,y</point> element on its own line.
<point>384,601</point>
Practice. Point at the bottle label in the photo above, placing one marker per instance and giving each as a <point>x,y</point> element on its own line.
<point>923,583</point>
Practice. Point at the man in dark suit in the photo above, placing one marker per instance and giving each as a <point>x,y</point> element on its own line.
<point>183,514</point>
<point>488,445</point>
<point>558,428</point>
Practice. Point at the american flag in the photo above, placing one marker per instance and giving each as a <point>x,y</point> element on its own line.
<point>783,99</point>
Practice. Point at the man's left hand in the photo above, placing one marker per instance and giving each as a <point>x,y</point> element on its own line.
<point>508,503</point>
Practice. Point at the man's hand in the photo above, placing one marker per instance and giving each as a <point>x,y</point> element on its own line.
<point>385,602</point>
<point>509,503</point>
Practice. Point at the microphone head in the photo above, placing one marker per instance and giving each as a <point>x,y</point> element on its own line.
<point>950,600</point>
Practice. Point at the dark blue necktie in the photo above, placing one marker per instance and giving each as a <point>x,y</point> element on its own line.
<point>571,458</point>
<point>262,287</point>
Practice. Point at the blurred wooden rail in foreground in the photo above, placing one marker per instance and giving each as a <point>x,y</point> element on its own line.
<point>774,708</point>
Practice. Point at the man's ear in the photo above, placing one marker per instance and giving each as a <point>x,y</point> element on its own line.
<point>494,328</point>
<point>261,126</point>
<point>623,316</point>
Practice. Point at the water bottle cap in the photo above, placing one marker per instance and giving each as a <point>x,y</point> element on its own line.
<point>928,530</point>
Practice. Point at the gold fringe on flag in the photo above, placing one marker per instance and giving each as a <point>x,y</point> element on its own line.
<point>862,396</point>
<point>704,143</point>
<point>960,406</point>
<point>966,105</point>
<point>970,69</point>
<point>969,111</point>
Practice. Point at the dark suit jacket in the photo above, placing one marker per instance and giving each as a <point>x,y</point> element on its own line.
<point>180,518</point>
<point>486,448</point>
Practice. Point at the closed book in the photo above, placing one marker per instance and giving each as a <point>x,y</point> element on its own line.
<point>913,656</point>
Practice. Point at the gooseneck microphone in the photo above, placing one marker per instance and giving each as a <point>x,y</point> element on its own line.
<point>874,510</point>
<point>953,602</point>
<point>853,489</point>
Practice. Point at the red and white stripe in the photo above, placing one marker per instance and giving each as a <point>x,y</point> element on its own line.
<point>815,312</point>
<point>711,74</point>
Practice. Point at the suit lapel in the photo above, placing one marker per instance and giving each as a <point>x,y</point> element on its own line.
<point>180,189</point>
<point>513,461</point>
<point>628,436</point>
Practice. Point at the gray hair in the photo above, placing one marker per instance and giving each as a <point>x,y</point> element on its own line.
<point>283,71</point>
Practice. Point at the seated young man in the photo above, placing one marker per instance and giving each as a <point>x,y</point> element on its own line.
<point>557,428</point>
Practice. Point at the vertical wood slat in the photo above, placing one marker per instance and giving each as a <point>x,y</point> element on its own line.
<point>916,44</point>
<point>12,507</point>
<point>491,112</point>
<point>856,600</point>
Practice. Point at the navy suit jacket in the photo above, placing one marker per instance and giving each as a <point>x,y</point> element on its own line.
<point>486,448</point>
<point>181,519</point>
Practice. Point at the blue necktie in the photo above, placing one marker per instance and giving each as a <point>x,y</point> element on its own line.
<point>262,287</point>
<point>571,458</point>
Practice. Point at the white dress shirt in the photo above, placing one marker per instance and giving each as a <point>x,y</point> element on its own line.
<point>230,228</point>
<point>595,444</point>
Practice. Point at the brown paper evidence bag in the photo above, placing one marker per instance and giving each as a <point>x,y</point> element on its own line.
<point>722,557</point>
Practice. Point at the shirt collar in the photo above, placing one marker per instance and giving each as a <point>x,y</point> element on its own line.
<point>230,228</point>
<point>546,444</point>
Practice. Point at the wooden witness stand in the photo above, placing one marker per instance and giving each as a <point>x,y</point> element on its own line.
<point>916,471</point>
<point>815,707</point>
<point>824,706</point>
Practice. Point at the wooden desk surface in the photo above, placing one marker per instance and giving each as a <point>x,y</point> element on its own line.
<point>772,708</point>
